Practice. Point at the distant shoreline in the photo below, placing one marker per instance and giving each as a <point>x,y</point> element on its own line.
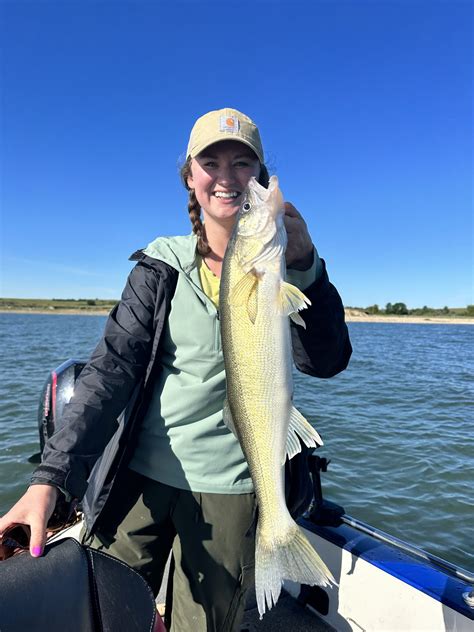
<point>352,316</point>
<point>423,320</point>
<point>52,312</point>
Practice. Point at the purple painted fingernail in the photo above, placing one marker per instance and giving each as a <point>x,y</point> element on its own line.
<point>36,550</point>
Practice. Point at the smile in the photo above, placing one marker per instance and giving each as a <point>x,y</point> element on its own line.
<point>222,194</point>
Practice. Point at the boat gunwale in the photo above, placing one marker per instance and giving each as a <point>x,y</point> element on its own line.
<point>399,559</point>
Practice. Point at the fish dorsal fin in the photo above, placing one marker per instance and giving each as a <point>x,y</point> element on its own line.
<point>227,417</point>
<point>300,427</point>
<point>291,301</point>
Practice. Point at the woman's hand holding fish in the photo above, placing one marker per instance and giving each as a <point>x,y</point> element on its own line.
<point>34,509</point>
<point>299,251</point>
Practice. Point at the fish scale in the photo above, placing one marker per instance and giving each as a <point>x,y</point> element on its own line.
<point>256,305</point>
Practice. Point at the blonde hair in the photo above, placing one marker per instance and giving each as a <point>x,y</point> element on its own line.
<point>194,209</point>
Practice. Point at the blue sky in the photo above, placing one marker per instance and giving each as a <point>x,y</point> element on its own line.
<point>364,107</point>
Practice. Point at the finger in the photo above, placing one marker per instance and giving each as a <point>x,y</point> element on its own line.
<point>291,223</point>
<point>294,225</point>
<point>291,211</point>
<point>38,537</point>
<point>5,524</point>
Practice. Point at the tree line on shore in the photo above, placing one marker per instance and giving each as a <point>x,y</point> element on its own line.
<point>400,309</point>
<point>397,309</point>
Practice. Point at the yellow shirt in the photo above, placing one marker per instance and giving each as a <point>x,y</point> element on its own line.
<point>209,282</point>
<point>302,279</point>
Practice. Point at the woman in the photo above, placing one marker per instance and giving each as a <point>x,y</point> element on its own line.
<point>169,474</point>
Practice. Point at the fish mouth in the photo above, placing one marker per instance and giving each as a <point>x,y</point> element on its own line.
<point>262,193</point>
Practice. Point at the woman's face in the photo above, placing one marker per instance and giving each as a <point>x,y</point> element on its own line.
<point>219,175</point>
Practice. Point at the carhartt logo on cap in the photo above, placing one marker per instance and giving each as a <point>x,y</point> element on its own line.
<point>229,124</point>
<point>224,124</point>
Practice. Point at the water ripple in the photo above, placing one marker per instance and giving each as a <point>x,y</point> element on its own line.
<point>397,424</point>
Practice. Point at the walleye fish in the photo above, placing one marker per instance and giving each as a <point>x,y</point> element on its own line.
<point>256,304</point>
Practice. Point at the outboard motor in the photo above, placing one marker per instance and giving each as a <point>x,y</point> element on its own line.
<point>56,393</point>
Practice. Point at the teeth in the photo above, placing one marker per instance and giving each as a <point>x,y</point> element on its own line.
<point>226,195</point>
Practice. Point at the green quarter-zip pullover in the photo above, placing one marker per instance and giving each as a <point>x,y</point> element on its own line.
<point>183,441</point>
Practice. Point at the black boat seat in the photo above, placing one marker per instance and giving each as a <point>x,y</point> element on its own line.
<point>75,588</point>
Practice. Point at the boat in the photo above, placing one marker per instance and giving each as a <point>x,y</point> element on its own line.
<point>383,582</point>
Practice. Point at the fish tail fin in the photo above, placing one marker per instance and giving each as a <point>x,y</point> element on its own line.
<point>293,559</point>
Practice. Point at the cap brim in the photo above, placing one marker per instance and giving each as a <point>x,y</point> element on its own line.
<point>218,139</point>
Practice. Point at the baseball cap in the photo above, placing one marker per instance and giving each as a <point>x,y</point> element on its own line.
<point>225,124</point>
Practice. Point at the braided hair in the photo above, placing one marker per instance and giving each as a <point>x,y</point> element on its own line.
<point>194,208</point>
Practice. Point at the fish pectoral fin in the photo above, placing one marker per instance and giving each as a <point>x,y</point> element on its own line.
<point>296,318</point>
<point>300,427</point>
<point>243,289</point>
<point>252,307</point>
<point>292,300</point>
<point>244,293</point>
<point>227,417</point>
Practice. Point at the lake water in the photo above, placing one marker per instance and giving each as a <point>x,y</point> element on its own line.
<point>398,424</point>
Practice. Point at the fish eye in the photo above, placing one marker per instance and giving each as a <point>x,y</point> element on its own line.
<point>247,206</point>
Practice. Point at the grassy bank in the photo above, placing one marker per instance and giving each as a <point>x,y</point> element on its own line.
<point>418,313</point>
<point>353,314</point>
<point>56,305</point>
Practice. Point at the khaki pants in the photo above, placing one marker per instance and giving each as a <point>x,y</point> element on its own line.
<point>213,543</point>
